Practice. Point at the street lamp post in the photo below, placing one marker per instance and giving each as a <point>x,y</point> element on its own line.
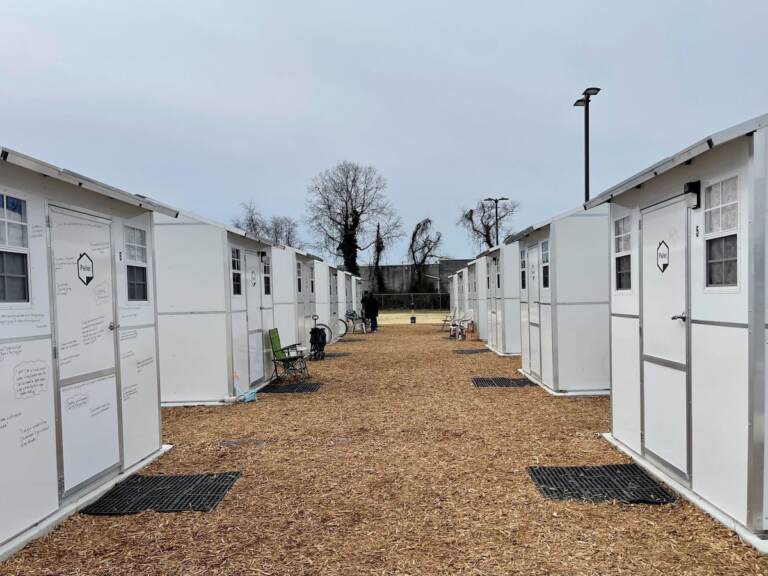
<point>496,208</point>
<point>584,102</point>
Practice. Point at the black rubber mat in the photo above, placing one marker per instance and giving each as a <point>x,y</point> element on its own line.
<point>185,493</point>
<point>500,382</point>
<point>350,340</point>
<point>626,483</point>
<point>292,388</point>
<point>471,350</point>
<point>336,354</point>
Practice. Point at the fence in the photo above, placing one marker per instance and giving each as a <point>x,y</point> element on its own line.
<point>416,300</point>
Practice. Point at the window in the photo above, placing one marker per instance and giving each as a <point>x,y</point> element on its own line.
<point>14,244</point>
<point>267,267</point>
<point>312,279</point>
<point>545,264</point>
<point>721,220</point>
<point>137,282</point>
<point>622,232</point>
<point>14,277</point>
<point>522,269</point>
<point>136,263</point>
<point>298,276</point>
<point>498,272</point>
<point>237,273</point>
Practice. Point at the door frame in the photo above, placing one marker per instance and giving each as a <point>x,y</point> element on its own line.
<point>680,475</point>
<point>260,286</point>
<point>49,208</point>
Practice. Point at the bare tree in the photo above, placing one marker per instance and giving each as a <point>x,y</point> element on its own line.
<point>282,230</point>
<point>377,279</point>
<point>480,222</point>
<point>345,204</point>
<point>423,247</point>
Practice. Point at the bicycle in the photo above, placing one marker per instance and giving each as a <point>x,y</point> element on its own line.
<point>333,333</point>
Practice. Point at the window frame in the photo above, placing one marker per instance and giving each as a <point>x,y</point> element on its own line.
<point>621,253</point>
<point>721,233</point>
<point>136,262</point>
<point>311,279</point>
<point>236,272</point>
<point>22,250</point>
<point>298,277</point>
<point>545,281</point>
<point>523,269</point>
<point>266,274</point>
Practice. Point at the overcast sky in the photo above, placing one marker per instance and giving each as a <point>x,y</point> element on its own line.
<point>206,104</point>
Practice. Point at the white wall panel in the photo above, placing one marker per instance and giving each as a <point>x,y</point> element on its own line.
<point>547,359</point>
<point>191,276</point>
<point>525,338</point>
<point>240,354</point>
<point>580,256</point>
<point>582,341</point>
<point>625,381</point>
<point>719,415</point>
<point>29,479</point>
<point>194,357</point>
<point>141,404</point>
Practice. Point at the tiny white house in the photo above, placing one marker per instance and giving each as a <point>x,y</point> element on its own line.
<point>563,266</point>
<point>478,284</point>
<point>305,295</point>
<point>215,306</point>
<point>333,288</point>
<point>323,293</point>
<point>462,289</point>
<point>688,312</point>
<point>453,294</point>
<point>79,390</point>
<point>502,318</point>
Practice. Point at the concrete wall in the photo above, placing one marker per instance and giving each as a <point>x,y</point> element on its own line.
<point>397,277</point>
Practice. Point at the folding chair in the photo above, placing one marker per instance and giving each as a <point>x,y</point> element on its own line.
<point>448,318</point>
<point>287,360</point>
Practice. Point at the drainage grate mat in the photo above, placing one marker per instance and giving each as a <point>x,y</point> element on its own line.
<point>626,483</point>
<point>336,354</point>
<point>293,388</point>
<point>186,493</point>
<point>471,350</point>
<point>482,382</point>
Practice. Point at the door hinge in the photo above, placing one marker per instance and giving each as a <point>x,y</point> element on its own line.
<point>639,224</point>
<point>48,220</point>
<point>55,352</point>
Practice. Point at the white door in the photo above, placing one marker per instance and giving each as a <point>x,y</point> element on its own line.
<point>253,293</point>
<point>534,317</point>
<point>85,340</point>
<point>665,334</point>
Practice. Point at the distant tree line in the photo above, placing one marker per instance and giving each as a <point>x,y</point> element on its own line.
<point>348,213</point>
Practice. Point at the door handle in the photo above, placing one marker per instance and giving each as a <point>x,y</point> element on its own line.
<point>683,316</point>
<point>112,326</point>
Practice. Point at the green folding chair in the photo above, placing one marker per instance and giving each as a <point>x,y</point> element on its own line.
<point>288,361</point>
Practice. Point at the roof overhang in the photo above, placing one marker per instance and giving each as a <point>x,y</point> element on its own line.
<point>75,179</point>
<point>685,155</point>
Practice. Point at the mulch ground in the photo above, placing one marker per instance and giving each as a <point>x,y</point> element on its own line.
<point>398,465</point>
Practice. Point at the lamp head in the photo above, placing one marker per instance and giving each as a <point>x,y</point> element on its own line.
<point>593,91</point>
<point>580,102</point>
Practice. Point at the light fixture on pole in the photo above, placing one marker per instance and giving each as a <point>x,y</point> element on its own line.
<point>584,102</point>
<point>496,208</point>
